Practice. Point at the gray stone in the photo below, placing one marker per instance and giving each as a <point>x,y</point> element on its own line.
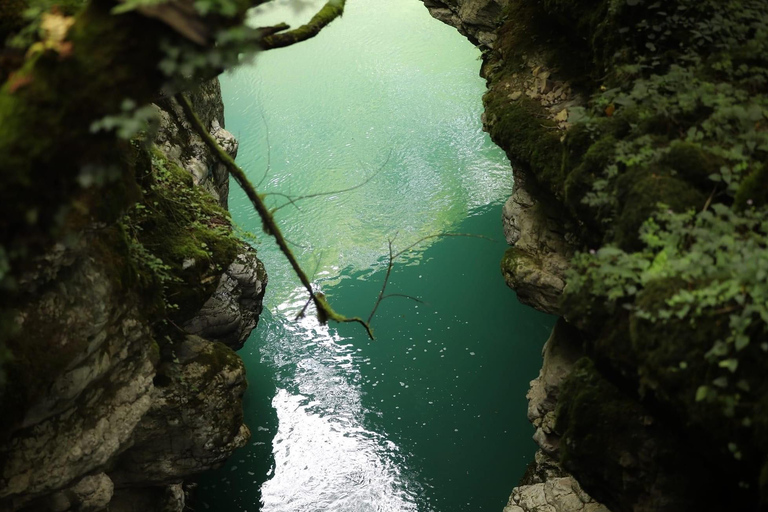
<point>560,353</point>
<point>233,310</point>
<point>185,148</point>
<point>102,423</point>
<point>475,19</point>
<point>538,231</point>
<point>93,493</point>
<point>87,417</point>
<point>195,421</point>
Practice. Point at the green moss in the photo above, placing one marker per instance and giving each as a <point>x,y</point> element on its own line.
<point>753,190</point>
<point>220,357</point>
<point>564,32</point>
<point>587,169</point>
<point>47,110</point>
<point>514,258</point>
<point>186,231</point>
<point>666,345</point>
<point>530,139</point>
<point>692,163</point>
<point>640,191</point>
<point>624,455</point>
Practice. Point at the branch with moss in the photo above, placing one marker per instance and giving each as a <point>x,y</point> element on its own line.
<point>330,11</point>
<point>324,311</point>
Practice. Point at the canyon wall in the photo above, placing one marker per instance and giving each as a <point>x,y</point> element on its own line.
<point>636,206</point>
<point>123,382</point>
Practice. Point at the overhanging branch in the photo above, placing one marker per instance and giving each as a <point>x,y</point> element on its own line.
<point>330,11</point>
<point>324,310</point>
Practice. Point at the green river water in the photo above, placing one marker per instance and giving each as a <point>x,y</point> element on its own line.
<point>431,416</point>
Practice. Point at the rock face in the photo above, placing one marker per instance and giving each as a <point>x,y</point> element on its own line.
<point>194,422</point>
<point>560,354</point>
<point>535,266</point>
<point>475,19</point>
<point>104,410</point>
<point>184,147</point>
<point>649,406</point>
<point>539,232</point>
<point>546,486</point>
<point>549,489</point>
<point>233,310</point>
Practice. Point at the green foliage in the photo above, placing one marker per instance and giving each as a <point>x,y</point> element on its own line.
<point>132,121</point>
<point>675,111</point>
<point>716,262</point>
<point>27,24</point>
<point>179,238</point>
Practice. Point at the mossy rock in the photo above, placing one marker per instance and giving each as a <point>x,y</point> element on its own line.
<point>564,32</point>
<point>674,363</point>
<point>692,163</point>
<point>530,139</point>
<point>754,189</point>
<point>590,167</point>
<point>186,231</point>
<point>672,352</point>
<point>629,459</point>
<point>640,191</point>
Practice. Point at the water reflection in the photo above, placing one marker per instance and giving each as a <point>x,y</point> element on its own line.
<point>431,415</point>
<point>324,457</point>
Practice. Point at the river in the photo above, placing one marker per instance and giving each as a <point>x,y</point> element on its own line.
<point>431,415</point>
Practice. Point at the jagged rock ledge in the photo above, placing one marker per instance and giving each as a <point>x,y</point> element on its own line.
<point>540,234</point>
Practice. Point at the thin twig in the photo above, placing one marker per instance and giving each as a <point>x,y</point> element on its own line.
<point>403,296</point>
<point>394,256</point>
<point>440,235</point>
<point>292,200</point>
<point>386,282</point>
<point>324,311</point>
<point>269,146</point>
<point>709,199</point>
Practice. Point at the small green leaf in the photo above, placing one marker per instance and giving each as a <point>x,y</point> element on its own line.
<point>742,340</point>
<point>730,364</point>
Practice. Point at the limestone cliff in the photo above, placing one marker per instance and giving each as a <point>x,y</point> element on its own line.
<point>624,122</point>
<point>122,383</point>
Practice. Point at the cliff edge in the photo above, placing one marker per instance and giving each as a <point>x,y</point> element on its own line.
<point>637,132</point>
<point>122,380</point>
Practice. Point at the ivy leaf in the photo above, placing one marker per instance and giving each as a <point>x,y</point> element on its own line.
<point>730,364</point>
<point>742,340</point>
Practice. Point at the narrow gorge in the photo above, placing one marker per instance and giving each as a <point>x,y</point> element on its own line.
<point>633,211</point>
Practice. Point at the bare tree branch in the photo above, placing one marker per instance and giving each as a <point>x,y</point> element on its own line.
<point>324,311</point>
<point>416,299</point>
<point>292,199</point>
<point>393,256</point>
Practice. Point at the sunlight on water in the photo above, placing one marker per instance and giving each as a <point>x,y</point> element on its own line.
<point>385,104</point>
<point>324,458</point>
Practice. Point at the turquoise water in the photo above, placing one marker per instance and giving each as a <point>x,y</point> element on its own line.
<point>431,416</point>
